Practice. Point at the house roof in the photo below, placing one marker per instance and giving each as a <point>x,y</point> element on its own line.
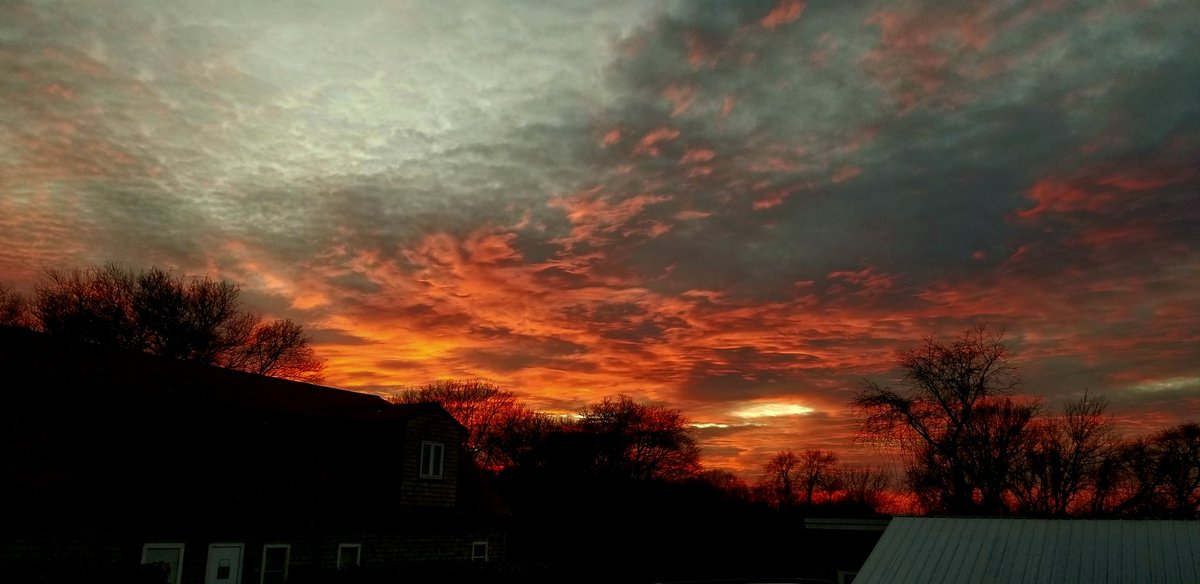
<point>933,550</point>
<point>71,412</point>
<point>72,368</point>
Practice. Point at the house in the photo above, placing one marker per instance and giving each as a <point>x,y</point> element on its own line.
<point>121,464</point>
<point>936,550</point>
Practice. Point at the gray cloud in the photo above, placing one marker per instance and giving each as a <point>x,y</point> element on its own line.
<point>843,182</point>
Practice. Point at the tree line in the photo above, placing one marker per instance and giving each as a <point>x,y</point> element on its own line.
<point>971,447</point>
<point>157,312</point>
<point>621,439</point>
<point>617,437</point>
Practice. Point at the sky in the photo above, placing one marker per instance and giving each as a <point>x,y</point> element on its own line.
<point>739,209</point>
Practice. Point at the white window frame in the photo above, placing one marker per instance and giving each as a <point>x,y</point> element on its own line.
<point>177,576</point>
<point>485,555</point>
<point>287,560</point>
<point>432,473</point>
<point>241,566</point>
<point>357,547</point>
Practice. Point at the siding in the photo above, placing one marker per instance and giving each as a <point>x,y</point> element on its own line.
<point>933,550</point>
<point>416,491</point>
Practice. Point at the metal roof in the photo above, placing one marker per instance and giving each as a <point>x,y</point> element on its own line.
<point>963,550</point>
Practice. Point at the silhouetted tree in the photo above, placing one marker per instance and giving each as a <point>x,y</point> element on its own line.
<point>279,348</point>
<point>499,427</point>
<point>519,438</point>
<point>728,483</point>
<point>864,486</point>
<point>93,305</point>
<point>156,312</point>
<point>1064,466</point>
<point>1177,452</point>
<point>777,484</point>
<point>787,476</point>
<point>816,471</point>
<point>954,419</point>
<point>14,308</point>
<point>1160,475</point>
<point>639,441</point>
<point>191,320</point>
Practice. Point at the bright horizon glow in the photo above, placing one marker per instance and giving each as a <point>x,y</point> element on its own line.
<point>772,410</point>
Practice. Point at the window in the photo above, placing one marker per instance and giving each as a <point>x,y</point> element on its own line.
<point>845,577</point>
<point>164,560</point>
<point>479,551</point>
<point>432,454</point>
<point>349,555</point>
<point>275,563</point>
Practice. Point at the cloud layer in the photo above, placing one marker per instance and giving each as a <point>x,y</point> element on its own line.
<point>739,209</point>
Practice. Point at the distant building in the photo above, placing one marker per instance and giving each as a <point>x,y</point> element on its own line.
<point>126,466</point>
<point>966,550</point>
<point>842,545</point>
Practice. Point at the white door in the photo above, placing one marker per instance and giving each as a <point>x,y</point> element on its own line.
<point>224,564</point>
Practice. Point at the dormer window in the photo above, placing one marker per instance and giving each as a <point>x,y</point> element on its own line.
<point>432,459</point>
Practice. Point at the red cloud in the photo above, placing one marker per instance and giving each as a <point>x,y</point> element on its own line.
<point>787,11</point>
<point>1053,196</point>
<point>648,144</point>
<point>870,283</point>
<point>680,96</point>
<point>920,51</point>
<point>698,155</point>
<point>611,137</point>
<point>845,173</point>
<point>774,200</point>
<point>727,105</point>
<point>697,52</point>
<point>1097,190</point>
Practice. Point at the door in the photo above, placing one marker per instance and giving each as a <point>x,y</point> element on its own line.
<point>224,564</point>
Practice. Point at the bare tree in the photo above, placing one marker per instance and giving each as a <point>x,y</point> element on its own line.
<point>729,484</point>
<point>94,305</point>
<point>815,471</point>
<point>498,425</point>
<point>196,319</point>
<point>1161,475</point>
<point>1064,465</point>
<point>193,320</point>
<point>865,486</point>
<point>1178,453</point>
<point>954,419</point>
<point>640,441</point>
<point>778,481</point>
<point>14,308</point>
<point>279,349</point>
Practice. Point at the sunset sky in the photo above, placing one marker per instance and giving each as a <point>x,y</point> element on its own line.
<point>738,209</point>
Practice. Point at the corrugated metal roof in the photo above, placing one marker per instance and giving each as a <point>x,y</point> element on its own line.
<point>964,550</point>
